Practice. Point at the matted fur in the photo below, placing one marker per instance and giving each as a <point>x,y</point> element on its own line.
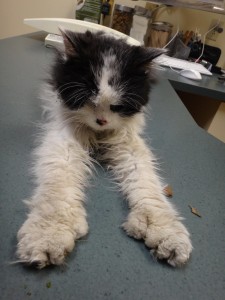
<point>94,104</point>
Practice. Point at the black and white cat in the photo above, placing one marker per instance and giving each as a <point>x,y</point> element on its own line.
<point>95,105</point>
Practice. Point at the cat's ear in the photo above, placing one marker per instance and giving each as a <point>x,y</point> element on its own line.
<point>76,44</point>
<point>155,52</point>
<point>143,57</point>
<point>149,53</point>
<point>70,48</point>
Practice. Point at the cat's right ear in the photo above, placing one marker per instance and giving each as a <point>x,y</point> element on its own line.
<point>70,49</point>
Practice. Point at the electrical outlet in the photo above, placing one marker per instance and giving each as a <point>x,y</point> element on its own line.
<point>213,34</point>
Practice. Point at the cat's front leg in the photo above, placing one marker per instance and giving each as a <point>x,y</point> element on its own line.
<point>57,216</point>
<point>151,216</point>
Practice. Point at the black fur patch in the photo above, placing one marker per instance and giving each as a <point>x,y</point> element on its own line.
<point>74,77</point>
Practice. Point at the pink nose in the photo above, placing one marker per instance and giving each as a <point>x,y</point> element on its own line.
<point>101,122</point>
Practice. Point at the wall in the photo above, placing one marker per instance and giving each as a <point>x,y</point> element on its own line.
<point>13,12</point>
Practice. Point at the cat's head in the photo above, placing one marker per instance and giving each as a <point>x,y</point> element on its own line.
<point>101,79</point>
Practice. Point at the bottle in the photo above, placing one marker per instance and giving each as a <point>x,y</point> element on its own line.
<point>106,8</point>
<point>89,10</point>
<point>159,34</point>
<point>105,13</point>
<point>122,18</point>
<point>140,24</point>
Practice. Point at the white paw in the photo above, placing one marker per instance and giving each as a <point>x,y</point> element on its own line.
<point>168,240</point>
<point>41,242</point>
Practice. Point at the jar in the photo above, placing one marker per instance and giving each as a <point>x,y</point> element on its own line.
<point>122,18</point>
<point>140,24</point>
<point>159,34</point>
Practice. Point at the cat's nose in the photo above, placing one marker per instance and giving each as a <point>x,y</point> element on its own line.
<point>101,122</point>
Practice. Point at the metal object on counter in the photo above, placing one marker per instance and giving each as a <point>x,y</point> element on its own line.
<point>221,78</point>
<point>141,11</point>
<point>122,18</point>
<point>206,64</point>
<point>159,34</point>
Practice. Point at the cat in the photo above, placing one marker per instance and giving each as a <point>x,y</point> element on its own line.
<point>95,102</point>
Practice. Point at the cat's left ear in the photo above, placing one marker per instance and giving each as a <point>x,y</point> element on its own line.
<point>68,42</point>
<point>150,53</point>
<point>155,52</point>
<point>145,57</point>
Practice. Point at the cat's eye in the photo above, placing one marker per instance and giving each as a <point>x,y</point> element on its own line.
<point>116,107</point>
<point>125,110</point>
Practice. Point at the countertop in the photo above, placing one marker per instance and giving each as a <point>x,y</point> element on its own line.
<point>209,86</point>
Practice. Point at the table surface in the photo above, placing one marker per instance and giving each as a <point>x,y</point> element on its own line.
<point>107,264</point>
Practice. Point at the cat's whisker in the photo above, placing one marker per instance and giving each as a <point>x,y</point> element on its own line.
<point>75,94</point>
<point>72,82</point>
<point>147,114</point>
<point>132,103</point>
<point>67,121</point>
<point>69,87</point>
<point>79,99</point>
<point>135,95</point>
<point>76,90</point>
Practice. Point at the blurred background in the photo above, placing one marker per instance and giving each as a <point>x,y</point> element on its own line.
<point>161,21</point>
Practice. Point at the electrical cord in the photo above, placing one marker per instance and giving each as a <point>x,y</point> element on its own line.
<point>204,38</point>
<point>178,29</point>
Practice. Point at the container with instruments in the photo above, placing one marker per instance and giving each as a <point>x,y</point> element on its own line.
<point>122,18</point>
<point>159,34</point>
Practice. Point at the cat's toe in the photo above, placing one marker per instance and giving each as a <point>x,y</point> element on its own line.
<point>175,254</point>
<point>135,225</point>
<point>169,241</point>
<point>41,246</point>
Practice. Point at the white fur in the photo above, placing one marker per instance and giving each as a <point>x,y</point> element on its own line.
<point>63,163</point>
<point>108,71</point>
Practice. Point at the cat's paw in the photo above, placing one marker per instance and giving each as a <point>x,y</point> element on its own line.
<point>169,241</point>
<point>41,243</point>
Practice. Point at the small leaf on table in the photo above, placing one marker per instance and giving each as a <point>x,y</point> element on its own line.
<point>195,211</point>
<point>168,191</point>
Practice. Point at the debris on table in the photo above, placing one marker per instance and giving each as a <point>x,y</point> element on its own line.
<point>194,211</point>
<point>48,284</point>
<point>168,191</point>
